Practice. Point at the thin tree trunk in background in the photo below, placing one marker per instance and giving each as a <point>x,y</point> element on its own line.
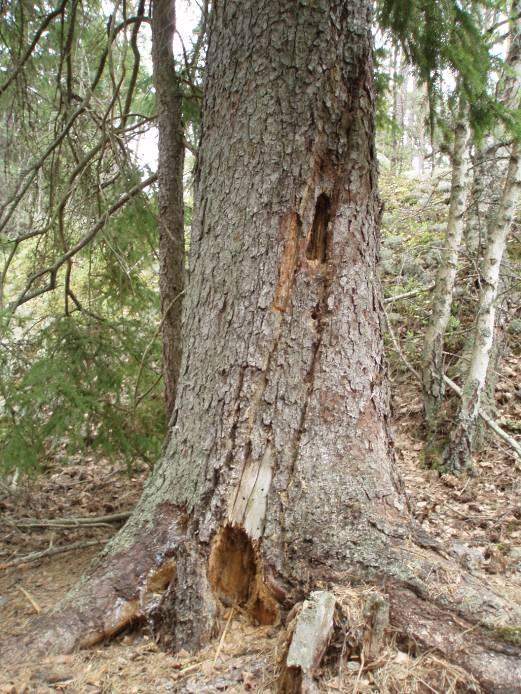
<point>170,176</point>
<point>418,125</point>
<point>396,131</point>
<point>489,174</point>
<point>432,360</point>
<point>463,438</point>
<point>458,454</point>
<point>484,198</point>
<point>279,473</point>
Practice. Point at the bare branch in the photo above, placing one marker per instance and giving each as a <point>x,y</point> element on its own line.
<point>52,270</point>
<point>408,295</point>
<point>50,552</point>
<point>137,60</point>
<point>43,26</point>
<point>29,175</point>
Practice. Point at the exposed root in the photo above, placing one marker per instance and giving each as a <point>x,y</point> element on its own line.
<point>494,663</point>
<point>119,588</point>
<point>434,606</point>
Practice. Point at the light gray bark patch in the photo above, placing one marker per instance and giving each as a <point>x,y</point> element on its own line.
<point>309,642</point>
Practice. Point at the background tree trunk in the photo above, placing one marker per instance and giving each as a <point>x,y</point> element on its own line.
<point>170,175</point>
<point>458,454</point>
<point>279,473</point>
<point>432,359</point>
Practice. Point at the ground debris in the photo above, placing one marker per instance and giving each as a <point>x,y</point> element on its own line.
<point>477,519</point>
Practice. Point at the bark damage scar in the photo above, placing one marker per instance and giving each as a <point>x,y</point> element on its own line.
<point>250,500</point>
<point>291,228</point>
<point>126,611</point>
<point>318,241</point>
<point>235,575</point>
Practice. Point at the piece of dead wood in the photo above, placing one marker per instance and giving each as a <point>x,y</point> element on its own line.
<point>72,522</point>
<point>50,552</point>
<point>30,598</point>
<point>376,617</point>
<point>221,640</point>
<point>313,629</point>
<point>408,295</point>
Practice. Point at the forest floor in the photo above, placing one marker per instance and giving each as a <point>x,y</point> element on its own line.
<point>478,516</point>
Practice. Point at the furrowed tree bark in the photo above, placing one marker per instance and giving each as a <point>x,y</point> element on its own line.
<point>278,474</point>
<point>170,176</point>
<point>432,360</point>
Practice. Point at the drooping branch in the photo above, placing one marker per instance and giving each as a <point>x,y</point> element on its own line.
<point>137,60</point>
<point>52,270</point>
<point>29,51</point>
<point>28,176</point>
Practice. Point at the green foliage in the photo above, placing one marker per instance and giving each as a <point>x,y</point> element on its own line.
<point>80,365</point>
<point>438,35</point>
<point>448,37</point>
<point>382,83</point>
<point>73,384</point>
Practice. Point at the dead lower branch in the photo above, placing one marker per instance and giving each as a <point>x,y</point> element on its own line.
<point>90,521</point>
<point>409,295</point>
<point>50,552</point>
<point>52,270</point>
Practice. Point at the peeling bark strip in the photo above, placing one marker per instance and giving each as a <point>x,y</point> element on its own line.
<point>292,230</point>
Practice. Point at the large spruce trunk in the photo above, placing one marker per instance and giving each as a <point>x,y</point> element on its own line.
<point>278,474</point>
<point>280,449</point>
